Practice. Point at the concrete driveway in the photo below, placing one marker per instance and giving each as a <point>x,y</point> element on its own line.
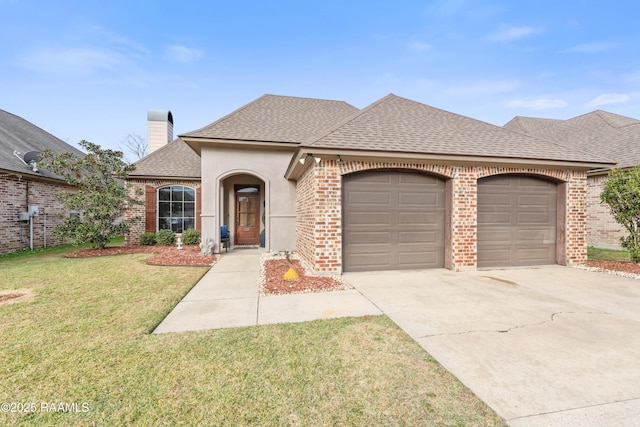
<point>542,346</point>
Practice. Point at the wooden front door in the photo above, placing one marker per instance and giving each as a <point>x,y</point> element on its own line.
<point>247,216</point>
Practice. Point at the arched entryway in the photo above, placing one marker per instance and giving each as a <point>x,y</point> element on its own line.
<point>243,209</point>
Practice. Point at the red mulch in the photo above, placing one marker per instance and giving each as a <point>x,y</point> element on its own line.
<point>625,266</point>
<point>275,285</point>
<point>164,255</point>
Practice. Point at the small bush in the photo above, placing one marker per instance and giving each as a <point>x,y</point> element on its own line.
<point>166,238</point>
<point>190,236</point>
<point>148,239</point>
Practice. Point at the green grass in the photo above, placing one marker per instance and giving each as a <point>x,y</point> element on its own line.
<point>597,254</point>
<point>85,339</point>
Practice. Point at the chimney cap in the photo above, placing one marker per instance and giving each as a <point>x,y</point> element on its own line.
<point>160,116</point>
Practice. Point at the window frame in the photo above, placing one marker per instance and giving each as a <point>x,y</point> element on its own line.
<point>193,218</point>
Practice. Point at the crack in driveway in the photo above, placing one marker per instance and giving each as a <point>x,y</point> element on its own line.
<point>504,331</point>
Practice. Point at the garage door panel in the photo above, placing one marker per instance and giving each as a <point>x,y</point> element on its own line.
<point>534,218</point>
<point>420,237</point>
<point>498,237</point>
<point>542,201</point>
<point>522,232</point>
<point>370,238</point>
<point>418,200</point>
<point>382,219</point>
<point>493,218</point>
<point>417,259</point>
<point>533,255</point>
<point>535,236</point>
<point>419,218</point>
<point>406,232</point>
<point>369,198</point>
<point>495,199</point>
<point>377,177</point>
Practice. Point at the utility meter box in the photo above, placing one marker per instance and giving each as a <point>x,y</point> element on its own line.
<point>23,216</point>
<point>33,210</point>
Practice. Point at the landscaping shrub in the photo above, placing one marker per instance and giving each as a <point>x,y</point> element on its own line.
<point>190,236</point>
<point>166,238</point>
<point>148,239</point>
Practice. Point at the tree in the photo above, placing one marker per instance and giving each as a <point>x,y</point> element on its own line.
<point>136,145</point>
<point>622,194</point>
<point>102,195</point>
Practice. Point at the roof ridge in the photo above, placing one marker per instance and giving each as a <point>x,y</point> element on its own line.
<point>602,114</point>
<point>346,120</point>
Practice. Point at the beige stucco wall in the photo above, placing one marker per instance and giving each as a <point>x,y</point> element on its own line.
<point>222,168</point>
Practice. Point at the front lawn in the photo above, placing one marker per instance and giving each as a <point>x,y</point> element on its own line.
<point>598,254</point>
<point>83,345</point>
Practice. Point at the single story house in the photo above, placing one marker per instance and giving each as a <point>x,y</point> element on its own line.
<point>396,185</point>
<point>30,209</point>
<point>603,133</point>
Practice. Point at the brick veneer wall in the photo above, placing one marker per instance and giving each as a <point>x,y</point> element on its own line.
<point>319,210</point>
<point>602,229</point>
<point>16,194</point>
<point>135,214</point>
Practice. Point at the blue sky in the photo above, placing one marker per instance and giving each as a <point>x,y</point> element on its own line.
<point>91,69</point>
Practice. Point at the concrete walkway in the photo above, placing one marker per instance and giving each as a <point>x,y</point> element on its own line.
<point>228,296</point>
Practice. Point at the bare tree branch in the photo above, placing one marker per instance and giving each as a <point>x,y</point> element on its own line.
<point>136,145</point>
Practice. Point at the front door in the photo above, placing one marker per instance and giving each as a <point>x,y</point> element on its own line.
<point>247,216</point>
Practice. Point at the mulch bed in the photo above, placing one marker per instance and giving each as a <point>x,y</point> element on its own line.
<point>189,256</point>
<point>274,284</point>
<point>623,266</point>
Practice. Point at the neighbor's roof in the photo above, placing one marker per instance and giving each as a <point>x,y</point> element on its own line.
<point>395,124</point>
<point>175,160</point>
<point>273,118</point>
<point>17,134</point>
<point>600,132</point>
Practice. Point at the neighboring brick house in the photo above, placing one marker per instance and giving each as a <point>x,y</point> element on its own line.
<point>605,134</point>
<point>24,184</point>
<point>395,185</point>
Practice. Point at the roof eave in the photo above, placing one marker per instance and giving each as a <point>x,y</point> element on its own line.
<point>296,168</point>
<point>196,143</point>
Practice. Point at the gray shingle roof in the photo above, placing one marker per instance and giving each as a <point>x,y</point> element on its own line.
<point>276,118</point>
<point>17,134</point>
<point>395,124</point>
<point>175,159</point>
<point>600,132</point>
<point>529,124</point>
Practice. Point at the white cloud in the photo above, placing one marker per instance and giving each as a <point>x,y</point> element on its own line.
<point>183,54</point>
<point>508,33</point>
<point>72,60</point>
<point>590,48</point>
<point>608,99</point>
<point>537,104</point>
<point>420,46</point>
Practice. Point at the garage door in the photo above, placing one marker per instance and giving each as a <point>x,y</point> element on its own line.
<point>516,221</point>
<point>392,220</point>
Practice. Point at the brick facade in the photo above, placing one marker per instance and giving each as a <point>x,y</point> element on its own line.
<point>135,215</point>
<point>16,194</point>
<point>602,229</point>
<point>319,210</point>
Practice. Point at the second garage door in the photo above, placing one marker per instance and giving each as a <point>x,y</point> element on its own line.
<point>516,221</point>
<point>393,220</point>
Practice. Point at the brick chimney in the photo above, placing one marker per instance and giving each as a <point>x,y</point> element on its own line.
<point>160,129</point>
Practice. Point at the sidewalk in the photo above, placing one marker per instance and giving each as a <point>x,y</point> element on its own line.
<point>228,296</point>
